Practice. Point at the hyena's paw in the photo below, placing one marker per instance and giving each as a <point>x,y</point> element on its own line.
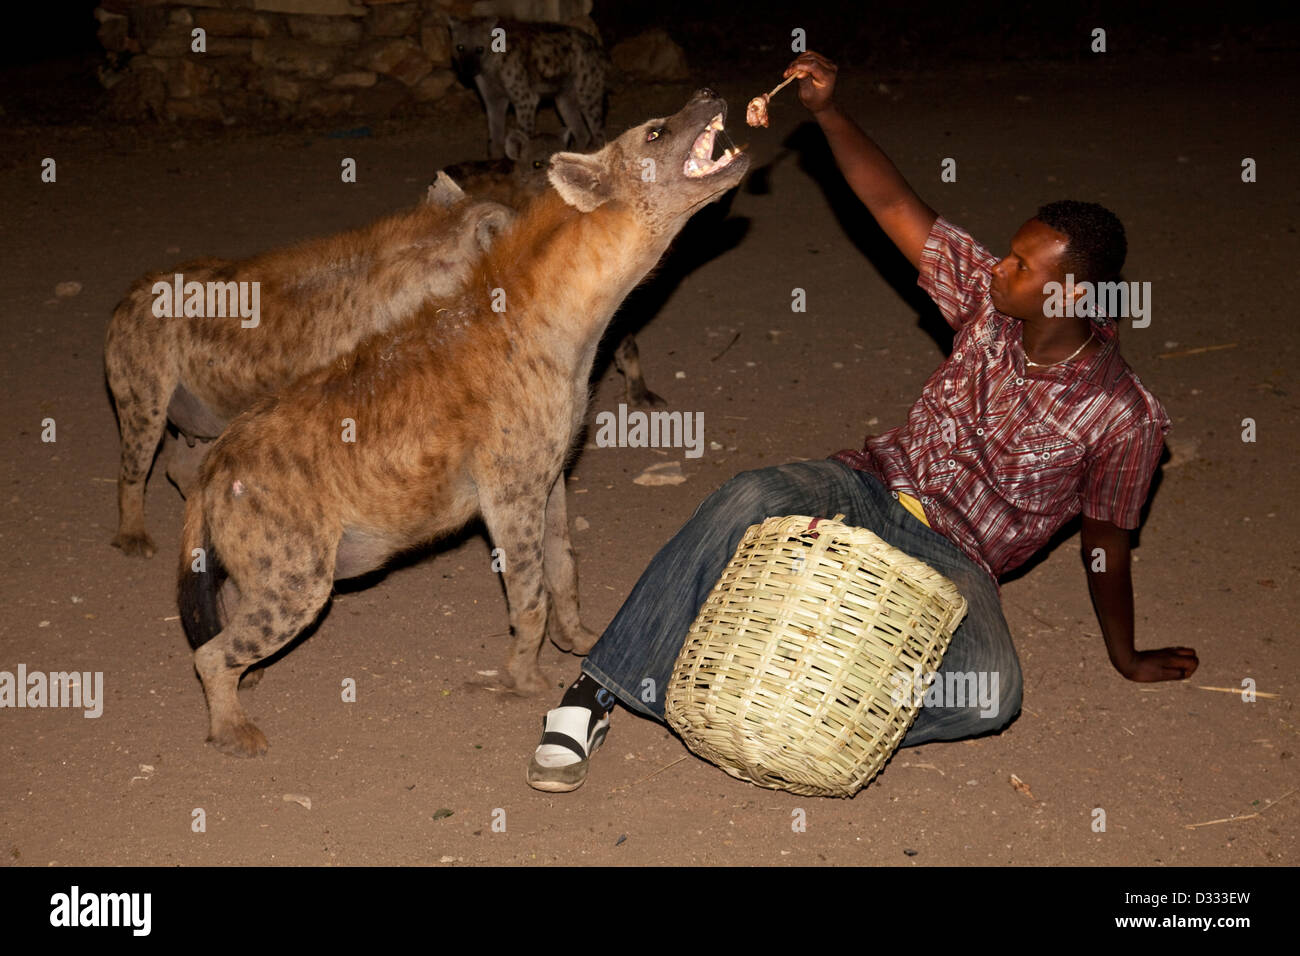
<point>530,682</point>
<point>584,640</point>
<point>135,543</point>
<point>241,739</point>
<point>641,396</point>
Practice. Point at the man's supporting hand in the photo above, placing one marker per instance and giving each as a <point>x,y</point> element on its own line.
<point>1168,663</point>
<point>1112,598</point>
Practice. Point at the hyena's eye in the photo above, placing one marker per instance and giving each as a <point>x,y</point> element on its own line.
<point>538,164</point>
<point>478,49</point>
<point>460,48</point>
<point>655,133</point>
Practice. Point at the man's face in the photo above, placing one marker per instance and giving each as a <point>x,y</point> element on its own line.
<point>1034,261</point>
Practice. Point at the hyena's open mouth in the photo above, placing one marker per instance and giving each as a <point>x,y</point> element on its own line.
<point>703,161</point>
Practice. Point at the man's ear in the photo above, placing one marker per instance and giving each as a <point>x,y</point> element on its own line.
<point>581,180</point>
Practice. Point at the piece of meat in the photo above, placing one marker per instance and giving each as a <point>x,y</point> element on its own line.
<point>756,111</point>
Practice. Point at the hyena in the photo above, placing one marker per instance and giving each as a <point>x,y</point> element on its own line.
<point>470,407</point>
<point>538,59</point>
<point>318,299</point>
<point>514,181</point>
<point>518,177</point>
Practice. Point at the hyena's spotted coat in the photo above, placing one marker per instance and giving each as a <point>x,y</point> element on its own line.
<point>318,300</point>
<point>540,59</point>
<point>461,410</point>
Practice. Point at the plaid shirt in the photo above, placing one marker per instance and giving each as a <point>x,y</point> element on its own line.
<point>1000,460</point>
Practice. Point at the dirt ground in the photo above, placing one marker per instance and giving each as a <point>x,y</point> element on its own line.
<point>417,770</point>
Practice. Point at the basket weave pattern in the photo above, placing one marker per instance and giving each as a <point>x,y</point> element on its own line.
<point>798,671</point>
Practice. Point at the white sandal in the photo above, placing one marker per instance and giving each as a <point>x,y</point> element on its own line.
<point>564,731</point>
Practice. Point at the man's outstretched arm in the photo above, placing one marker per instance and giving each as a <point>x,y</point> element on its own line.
<point>1112,598</point>
<point>868,171</point>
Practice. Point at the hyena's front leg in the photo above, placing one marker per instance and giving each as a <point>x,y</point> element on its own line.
<point>566,104</point>
<point>627,359</point>
<point>563,626</point>
<point>516,523</point>
<point>495,102</point>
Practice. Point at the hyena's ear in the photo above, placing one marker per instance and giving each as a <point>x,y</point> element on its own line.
<point>581,180</point>
<point>490,220</point>
<point>516,143</point>
<point>444,192</point>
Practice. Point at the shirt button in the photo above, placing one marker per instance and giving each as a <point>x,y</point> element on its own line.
<point>957,356</point>
<point>1020,381</point>
<point>979,431</point>
<point>894,493</point>
<point>951,463</point>
<point>1046,455</point>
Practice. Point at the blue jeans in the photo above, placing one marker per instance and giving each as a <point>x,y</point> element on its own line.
<point>634,658</point>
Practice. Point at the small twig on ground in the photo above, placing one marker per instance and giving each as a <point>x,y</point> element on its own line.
<point>925,766</point>
<point>1248,816</point>
<point>649,775</point>
<point>1179,353</point>
<point>1238,690</point>
<point>734,339</point>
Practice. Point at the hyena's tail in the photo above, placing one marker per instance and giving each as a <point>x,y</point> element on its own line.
<point>198,586</point>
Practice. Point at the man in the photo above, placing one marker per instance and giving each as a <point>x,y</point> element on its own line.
<point>1033,419</point>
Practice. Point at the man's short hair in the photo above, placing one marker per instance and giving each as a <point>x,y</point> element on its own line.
<point>1097,246</point>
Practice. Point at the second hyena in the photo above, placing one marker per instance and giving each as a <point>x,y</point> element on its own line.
<point>318,299</point>
<point>517,178</point>
<point>524,62</point>
<point>470,407</point>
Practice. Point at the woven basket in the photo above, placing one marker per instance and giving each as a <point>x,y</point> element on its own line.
<point>798,674</point>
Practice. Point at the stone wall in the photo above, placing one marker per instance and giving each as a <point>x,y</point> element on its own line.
<point>286,59</point>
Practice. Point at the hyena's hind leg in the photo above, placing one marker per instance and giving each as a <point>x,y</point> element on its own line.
<point>267,616</point>
<point>564,625</point>
<point>141,395</point>
<point>516,524</point>
<point>627,359</point>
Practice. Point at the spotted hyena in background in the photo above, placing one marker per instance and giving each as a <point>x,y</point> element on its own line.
<point>539,59</point>
<point>515,180</point>
<point>469,407</point>
<point>318,299</point>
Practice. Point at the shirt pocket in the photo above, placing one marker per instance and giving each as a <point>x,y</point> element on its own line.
<point>1040,468</point>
